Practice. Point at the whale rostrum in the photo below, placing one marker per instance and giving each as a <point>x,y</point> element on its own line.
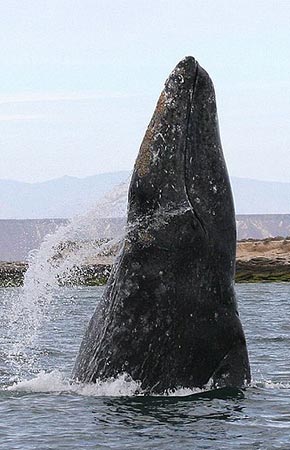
<point>168,316</point>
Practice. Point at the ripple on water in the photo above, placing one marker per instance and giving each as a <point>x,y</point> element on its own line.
<point>41,408</point>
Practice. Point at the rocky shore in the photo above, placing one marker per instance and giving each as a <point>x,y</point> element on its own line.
<point>257,261</point>
<point>12,273</point>
<point>263,260</point>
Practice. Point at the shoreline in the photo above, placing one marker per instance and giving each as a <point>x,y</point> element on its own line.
<point>265,260</point>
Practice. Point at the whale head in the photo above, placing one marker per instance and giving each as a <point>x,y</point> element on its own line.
<point>180,165</point>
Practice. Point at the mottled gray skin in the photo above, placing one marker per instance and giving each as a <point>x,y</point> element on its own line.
<point>169,314</point>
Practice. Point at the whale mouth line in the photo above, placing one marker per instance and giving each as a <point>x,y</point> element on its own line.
<point>186,151</point>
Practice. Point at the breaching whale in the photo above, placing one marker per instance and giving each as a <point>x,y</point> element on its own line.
<point>168,316</point>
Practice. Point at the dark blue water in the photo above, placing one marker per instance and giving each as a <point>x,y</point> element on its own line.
<point>42,410</point>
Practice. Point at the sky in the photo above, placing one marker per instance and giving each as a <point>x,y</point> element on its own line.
<point>79,81</point>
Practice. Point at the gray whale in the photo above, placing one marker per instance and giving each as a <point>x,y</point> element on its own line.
<point>169,315</point>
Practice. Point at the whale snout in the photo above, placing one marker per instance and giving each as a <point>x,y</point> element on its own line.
<point>182,78</point>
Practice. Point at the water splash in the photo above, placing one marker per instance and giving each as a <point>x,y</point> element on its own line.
<point>58,261</point>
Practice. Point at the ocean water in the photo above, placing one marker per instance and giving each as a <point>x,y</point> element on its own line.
<point>40,408</point>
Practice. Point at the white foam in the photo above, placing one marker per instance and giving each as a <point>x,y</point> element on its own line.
<point>123,385</point>
<point>44,382</point>
<point>55,382</point>
<point>269,384</point>
<point>183,392</point>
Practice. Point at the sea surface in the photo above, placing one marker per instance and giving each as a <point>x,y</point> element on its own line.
<point>40,408</point>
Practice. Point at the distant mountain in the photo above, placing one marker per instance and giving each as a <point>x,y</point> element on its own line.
<point>62,197</point>
<point>261,197</point>
<point>19,237</point>
<point>67,196</point>
<point>261,226</point>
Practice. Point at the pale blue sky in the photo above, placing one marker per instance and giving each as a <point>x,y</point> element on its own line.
<point>79,81</point>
